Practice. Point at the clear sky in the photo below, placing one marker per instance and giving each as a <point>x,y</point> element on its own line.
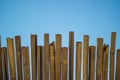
<point>97,18</point>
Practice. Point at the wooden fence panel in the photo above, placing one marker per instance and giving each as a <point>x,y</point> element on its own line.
<point>85,57</point>
<point>58,57</point>
<point>46,56</point>
<point>112,54</point>
<point>118,65</point>
<point>34,56</point>
<point>10,47</point>
<point>26,63</point>
<point>52,61</point>
<point>78,60</point>
<point>92,51</point>
<point>99,59</point>
<point>105,62</point>
<point>4,63</point>
<point>18,56</point>
<point>71,54</point>
<point>64,61</point>
<point>39,62</point>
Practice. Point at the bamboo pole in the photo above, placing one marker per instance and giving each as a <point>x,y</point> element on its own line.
<point>18,56</point>
<point>34,56</point>
<point>85,57</point>
<point>78,60</point>
<point>105,62</point>
<point>71,54</point>
<point>10,47</point>
<point>26,64</point>
<point>52,61</point>
<point>58,57</point>
<point>39,62</point>
<point>118,65</point>
<point>99,58</point>
<point>112,53</point>
<point>92,50</point>
<point>46,56</point>
<point>0,60</point>
<point>64,60</point>
<point>4,63</point>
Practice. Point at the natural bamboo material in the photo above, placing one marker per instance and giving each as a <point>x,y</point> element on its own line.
<point>92,51</point>
<point>85,57</point>
<point>112,54</point>
<point>0,60</point>
<point>99,59</point>
<point>58,57</point>
<point>10,47</point>
<point>64,61</point>
<point>18,56</point>
<point>71,54</point>
<point>46,56</point>
<point>118,65</point>
<point>26,64</point>
<point>34,56</point>
<point>52,61</point>
<point>78,60</point>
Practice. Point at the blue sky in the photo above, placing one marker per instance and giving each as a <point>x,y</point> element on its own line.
<point>97,18</point>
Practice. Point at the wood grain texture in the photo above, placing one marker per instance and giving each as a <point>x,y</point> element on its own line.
<point>118,65</point>
<point>18,56</point>
<point>58,57</point>
<point>26,63</point>
<point>112,54</point>
<point>85,57</point>
<point>10,47</point>
<point>71,54</point>
<point>34,56</point>
<point>78,60</point>
<point>99,59</point>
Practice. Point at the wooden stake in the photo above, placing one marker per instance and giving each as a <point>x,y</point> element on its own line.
<point>26,64</point>
<point>52,61</point>
<point>10,47</point>
<point>112,52</point>
<point>78,60</point>
<point>92,51</point>
<point>46,56</point>
<point>34,56</point>
<point>99,59</point>
<point>105,62</point>
<point>85,57</point>
<point>39,61</point>
<point>64,60</point>
<point>18,56</point>
<point>71,54</point>
<point>58,57</point>
<point>118,65</point>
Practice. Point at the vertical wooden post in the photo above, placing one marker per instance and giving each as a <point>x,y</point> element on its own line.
<point>34,56</point>
<point>78,60</point>
<point>118,65</point>
<point>39,62</point>
<point>92,51</point>
<point>0,60</point>
<point>58,57</point>
<point>71,54</point>
<point>26,64</point>
<point>4,63</point>
<point>85,57</point>
<point>112,52</point>
<point>64,60</point>
<point>99,59</point>
<point>52,61</point>
<point>46,56</point>
<point>105,62</point>
<point>10,47</point>
<point>18,56</point>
